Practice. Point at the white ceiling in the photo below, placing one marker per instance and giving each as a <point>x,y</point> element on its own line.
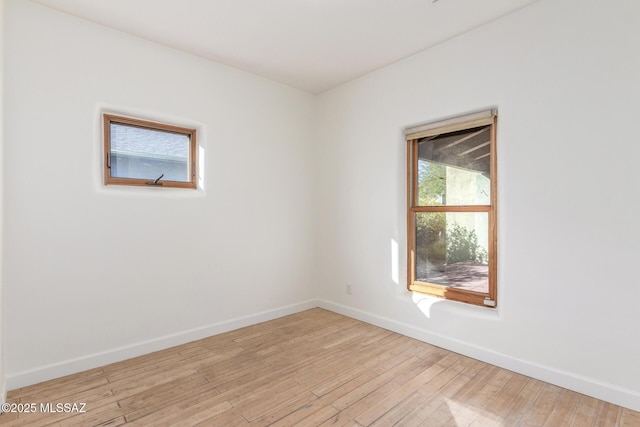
<point>313,45</point>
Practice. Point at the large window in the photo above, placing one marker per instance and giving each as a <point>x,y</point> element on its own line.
<point>138,152</point>
<point>451,219</point>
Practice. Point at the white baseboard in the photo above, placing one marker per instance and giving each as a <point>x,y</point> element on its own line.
<point>67,367</point>
<point>607,392</point>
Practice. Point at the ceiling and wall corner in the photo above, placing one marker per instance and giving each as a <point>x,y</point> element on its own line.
<point>311,45</point>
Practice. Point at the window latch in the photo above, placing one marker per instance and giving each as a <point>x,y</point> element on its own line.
<point>155,181</point>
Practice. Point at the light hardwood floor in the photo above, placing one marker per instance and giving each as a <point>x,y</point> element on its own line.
<point>314,368</point>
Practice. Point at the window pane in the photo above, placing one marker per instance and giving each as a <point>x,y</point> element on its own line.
<point>452,249</point>
<point>454,168</point>
<point>147,153</point>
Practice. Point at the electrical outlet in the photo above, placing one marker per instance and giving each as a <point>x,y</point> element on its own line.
<point>348,289</point>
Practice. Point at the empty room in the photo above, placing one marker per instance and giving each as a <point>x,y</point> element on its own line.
<point>319,213</point>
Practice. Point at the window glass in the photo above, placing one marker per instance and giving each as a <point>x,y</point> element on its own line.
<point>148,153</point>
<point>454,169</point>
<point>452,249</point>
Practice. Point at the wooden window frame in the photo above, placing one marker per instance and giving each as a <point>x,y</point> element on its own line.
<point>413,135</point>
<point>108,119</point>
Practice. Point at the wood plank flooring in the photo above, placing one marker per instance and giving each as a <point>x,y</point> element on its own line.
<point>314,368</point>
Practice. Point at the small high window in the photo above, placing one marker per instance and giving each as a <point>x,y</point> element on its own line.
<point>139,152</point>
<point>451,217</point>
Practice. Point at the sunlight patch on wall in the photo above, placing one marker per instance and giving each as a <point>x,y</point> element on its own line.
<point>425,302</point>
<point>201,167</point>
<point>395,266</point>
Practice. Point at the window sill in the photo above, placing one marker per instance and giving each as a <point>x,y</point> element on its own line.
<point>151,191</point>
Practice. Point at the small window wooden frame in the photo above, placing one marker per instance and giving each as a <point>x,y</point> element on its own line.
<point>150,181</point>
<point>413,136</point>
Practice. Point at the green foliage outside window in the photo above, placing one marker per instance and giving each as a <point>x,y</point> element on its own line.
<point>434,241</point>
<point>462,245</point>
<point>431,229</point>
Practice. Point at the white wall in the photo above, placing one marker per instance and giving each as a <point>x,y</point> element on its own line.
<point>564,76</point>
<point>94,274</point>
